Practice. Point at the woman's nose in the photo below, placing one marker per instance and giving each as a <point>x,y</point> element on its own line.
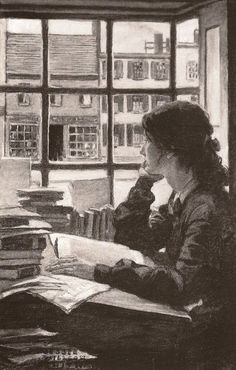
<point>142,150</point>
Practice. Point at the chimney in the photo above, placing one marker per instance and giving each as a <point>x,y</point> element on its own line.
<point>158,43</point>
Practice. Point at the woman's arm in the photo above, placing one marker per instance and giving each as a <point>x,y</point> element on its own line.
<point>192,274</point>
<point>131,219</point>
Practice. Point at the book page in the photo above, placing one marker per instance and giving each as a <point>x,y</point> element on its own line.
<point>92,251</point>
<point>66,292</point>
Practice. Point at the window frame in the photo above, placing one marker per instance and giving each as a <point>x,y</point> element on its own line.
<point>44,164</point>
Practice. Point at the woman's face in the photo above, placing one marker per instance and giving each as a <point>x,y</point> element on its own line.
<point>155,157</point>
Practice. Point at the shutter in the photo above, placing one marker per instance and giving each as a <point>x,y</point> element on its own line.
<point>104,69</point>
<point>145,103</point>
<point>145,69</point>
<point>130,103</point>
<point>104,134</point>
<point>120,68</point>
<point>153,64</point>
<point>120,103</point>
<point>130,134</point>
<point>116,74</point>
<point>121,135</point>
<point>104,104</point>
<point>130,70</point>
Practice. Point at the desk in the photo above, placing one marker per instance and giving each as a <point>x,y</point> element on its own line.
<point>101,326</point>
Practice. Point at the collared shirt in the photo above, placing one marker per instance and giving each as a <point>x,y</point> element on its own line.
<point>189,186</point>
<point>181,195</point>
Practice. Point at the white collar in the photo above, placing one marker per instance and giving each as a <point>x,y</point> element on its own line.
<point>188,187</point>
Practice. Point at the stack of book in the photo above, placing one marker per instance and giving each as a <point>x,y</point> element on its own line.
<point>94,223</point>
<point>44,201</point>
<point>23,237</point>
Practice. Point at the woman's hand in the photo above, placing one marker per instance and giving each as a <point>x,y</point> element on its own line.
<point>72,266</point>
<point>143,173</point>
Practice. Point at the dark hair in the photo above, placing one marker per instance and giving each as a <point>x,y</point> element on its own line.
<point>184,128</point>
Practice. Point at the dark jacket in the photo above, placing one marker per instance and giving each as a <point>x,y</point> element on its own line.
<point>200,243</point>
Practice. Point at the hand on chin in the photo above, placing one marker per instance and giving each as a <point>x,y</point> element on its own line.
<point>146,171</point>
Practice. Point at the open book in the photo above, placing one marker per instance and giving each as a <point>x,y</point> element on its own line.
<point>68,292</point>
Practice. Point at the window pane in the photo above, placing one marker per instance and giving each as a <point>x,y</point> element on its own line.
<point>21,117</point>
<point>76,131</point>
<point>123,182</point>
<point>213,75</point>
<point>141,54</point>
<point>187,54</point>
<point>36,178</point>
<point>67,181</point>
<point>125,179</point>
<point>128,131</point>
<point>77,53</point>
<point>21,52</point>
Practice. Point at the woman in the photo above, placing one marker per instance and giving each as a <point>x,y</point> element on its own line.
<point>195,227</point>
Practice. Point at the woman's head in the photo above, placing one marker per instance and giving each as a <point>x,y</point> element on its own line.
<point>183,129</point>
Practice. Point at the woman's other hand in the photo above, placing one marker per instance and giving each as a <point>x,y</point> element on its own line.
<point>72,266</point>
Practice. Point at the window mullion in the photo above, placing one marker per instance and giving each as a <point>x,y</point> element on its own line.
<point>45,105</point>
<point>173,59</point>
<point>110,109</point>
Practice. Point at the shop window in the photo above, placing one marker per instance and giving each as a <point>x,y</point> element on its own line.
<point>83,142</point>
<point>23,140</point>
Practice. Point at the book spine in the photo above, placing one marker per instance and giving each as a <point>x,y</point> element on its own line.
<point>19,273</point>
<point>103,225</point>
<point>89,217</point>
<point>110,231</point>
<point>96,222</point>
<point>81,224</point>
<point>24,243</point>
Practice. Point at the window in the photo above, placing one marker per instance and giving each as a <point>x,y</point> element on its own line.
<point>135,135</point>
<point>56,100</point>
<point>138,70</point>
<point>83,142</point>
<point>104,69</point>
<point>137,103</point>
<point>192,71</point>
<point>187,54</point>
<point>160,70</point>
<point>23,141</point>
<point>158,100</point>
<point>97,85</point>
<point>119,134</point>
<point>85,101</point>
<point>23,99</point>
<point>118,103</point>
